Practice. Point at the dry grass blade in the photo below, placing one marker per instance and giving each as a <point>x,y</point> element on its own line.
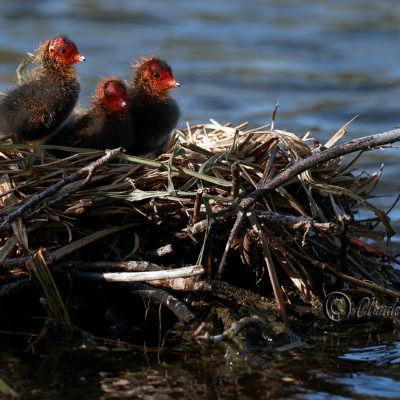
<point>339,134</point>
<point>78,244</point>
<point>339,191</point>
<point>54,303</point>
<point>9,200</point>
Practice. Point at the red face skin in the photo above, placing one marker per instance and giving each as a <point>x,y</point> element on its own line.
<point>113,95</point>
<point>64,51</point>
<point>160,77</point>
<point>154,78</point>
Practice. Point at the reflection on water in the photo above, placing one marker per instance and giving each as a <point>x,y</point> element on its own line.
<point>324,62</point>
<point>328,368</point>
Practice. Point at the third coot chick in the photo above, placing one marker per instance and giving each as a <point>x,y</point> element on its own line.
<point>154,113</point>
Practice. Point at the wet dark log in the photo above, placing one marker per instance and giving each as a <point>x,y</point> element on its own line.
<point>178,307</point>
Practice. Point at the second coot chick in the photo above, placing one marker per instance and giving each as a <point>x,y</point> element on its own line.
<point>106,125</point>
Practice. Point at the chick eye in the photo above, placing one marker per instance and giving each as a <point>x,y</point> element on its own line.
<point>156,74</point>
<point>108,95</point>
<point>62,50</point>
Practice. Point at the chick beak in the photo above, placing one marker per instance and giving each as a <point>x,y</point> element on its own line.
<point>80,57</point>
<point>174,83</point>
<point>123,103</point>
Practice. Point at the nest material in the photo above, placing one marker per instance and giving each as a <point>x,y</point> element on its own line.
<point>179,210</point>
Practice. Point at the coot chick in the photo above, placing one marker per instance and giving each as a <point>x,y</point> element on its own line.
<point>154,113</point>
<point>45,99</point>
<point>105,125</point>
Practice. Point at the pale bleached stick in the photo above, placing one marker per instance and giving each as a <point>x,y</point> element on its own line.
<point>193,270</point>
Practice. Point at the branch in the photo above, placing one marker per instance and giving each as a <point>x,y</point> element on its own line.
<point>177,284</point>
<point>89,169</point>
<point>161,251</point>
<point>270,266</point>
<point>293,222</point>
<point>358,282</point>
<point>142,276</point>
<point>231,332</point>
<point>129,266</point>
<point>157,295</point>
<point>364,143</point>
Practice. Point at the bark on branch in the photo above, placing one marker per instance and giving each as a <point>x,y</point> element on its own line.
<point>88,169</point>
<point>364,143</point>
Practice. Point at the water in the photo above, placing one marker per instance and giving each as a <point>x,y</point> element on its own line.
<point>332,366</point>
<point>324,62</point>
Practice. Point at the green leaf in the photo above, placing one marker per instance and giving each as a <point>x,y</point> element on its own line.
<point>204,168</point>
<point>133,254</point>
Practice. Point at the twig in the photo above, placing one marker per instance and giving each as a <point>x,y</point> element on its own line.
<point>201,226</point>
<point>232,236</point>
<point>364,143</point>
<point>231,332</point>
<point>142,276</point>
<point>235,180</point>
<point>228,291</point>
<point>77,244</point>
<point>293,222</point>
<point>356,266</point>
<point>359,282</point>
<point>178,307</point>
<point>270,265</point>
<point>131,266</point>
<point>179,284</point>
<point>160,252</point>
<point>57,199</point>
<point>89,169</point>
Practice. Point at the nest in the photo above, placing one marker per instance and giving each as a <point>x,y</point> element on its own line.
<point>102,219</point>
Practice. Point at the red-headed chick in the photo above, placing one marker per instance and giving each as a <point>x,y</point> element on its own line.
<point>153,112</point>
<point>47,95</point>
<point>105,125</point>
